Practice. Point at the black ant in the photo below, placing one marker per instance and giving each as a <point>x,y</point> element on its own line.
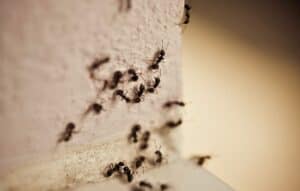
<point>116,79</point>
<point>146,136</point>
<point>121,93</point>
<point>159,157</point>
<point>159,56</point>
<point>202,159</point>
<point>67,134</point>
<point>112,168</point>
<point>164,187</point>
<point>145,184</point>
<point>138,162</point>
<point>145,139</point>
<point>133,75</point>
<point>95,107</point>
<point>138,94</point>
<point>154,86</point>
<point>95,65</point>
<point>172,103</point>
<point>133,135</point>
<point>173,124</point>
<point>187,9</point>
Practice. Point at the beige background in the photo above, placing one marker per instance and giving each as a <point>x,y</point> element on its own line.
<point>242,85</point>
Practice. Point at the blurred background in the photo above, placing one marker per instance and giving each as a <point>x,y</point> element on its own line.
<point>241,70</point>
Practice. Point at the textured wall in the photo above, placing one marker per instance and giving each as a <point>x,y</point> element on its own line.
<point>45,49</point>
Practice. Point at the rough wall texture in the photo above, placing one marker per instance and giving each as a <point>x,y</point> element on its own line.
<point>45,50</point>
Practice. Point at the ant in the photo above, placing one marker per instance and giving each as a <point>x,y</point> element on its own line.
<point>95,107</point>
<point>116,79</point>
<point>154,86</point>
<point>113,168</point>
<point>133,135</point>
<point>67,134</point>
<point>187,9</point>
<point>138,162</point>
<point>159,156</point>
<point>145,184</point>
<point>121,93</point>
<point>172,103</point>
<point>138,94</point>
<point>145,139</point>
<point>164,187</point>
<point>96,64</point>
<point>173,124</point>
<point>202,159</point>
<point>158,58</point>
<point>133,75</point>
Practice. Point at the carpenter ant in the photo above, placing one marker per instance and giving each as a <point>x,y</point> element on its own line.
<point>202,159</point>
<point>172,103</point>
<point>159,157</point>
<point>96,64</point>
<point>116,79</point>
<point>173,124</point>
<point>133,135</point>
<point>145,184</point>
<point>154,86</point>
<point>133,75</point>
<point>67,134</point>
<point>138,162</point>
<point>121,93</point>
<point>164,187</point>
<point>138,94</point>
<point>187,9</point>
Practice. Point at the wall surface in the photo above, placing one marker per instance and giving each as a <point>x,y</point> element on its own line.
<point>45,50</point>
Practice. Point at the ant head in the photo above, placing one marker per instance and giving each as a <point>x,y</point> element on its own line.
<point>97,107</point>
<point>187,6</point>
<point>157,79</point>
<point>119,92</point>
<point>70,126</point>
<point>120,164</point>
<point>131,71</point>
<point>118,74</point>
<point>136,127</point>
